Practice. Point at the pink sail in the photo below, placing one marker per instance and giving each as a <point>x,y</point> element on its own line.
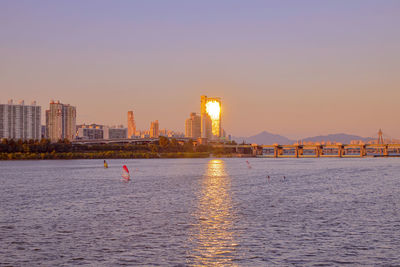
<point>248,164</point>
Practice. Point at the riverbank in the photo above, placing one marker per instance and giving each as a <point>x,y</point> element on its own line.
<point>101,155</point>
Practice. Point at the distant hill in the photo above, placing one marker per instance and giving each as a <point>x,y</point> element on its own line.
<point>264,138</point>
<point>339,138</point>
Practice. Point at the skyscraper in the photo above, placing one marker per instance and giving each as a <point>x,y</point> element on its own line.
<point>61,121</point>
<point>188,128</point>
<point>46,126</point>
<point>193,126</point>
<point>211,117</point>
<point>70,122</point>
<point>154,132</point>
<point>131,125</point>
<point>20,121</point>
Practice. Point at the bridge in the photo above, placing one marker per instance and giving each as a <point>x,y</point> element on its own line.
<point>382,148</point>
<point>316,151</point>
<point>320,151</point>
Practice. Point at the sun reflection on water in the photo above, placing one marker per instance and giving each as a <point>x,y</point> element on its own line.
<point>214,235</point>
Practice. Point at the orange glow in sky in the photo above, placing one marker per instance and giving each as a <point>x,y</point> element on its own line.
<point>305,69</point>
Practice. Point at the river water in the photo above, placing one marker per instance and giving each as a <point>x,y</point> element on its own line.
<point>191,212</point>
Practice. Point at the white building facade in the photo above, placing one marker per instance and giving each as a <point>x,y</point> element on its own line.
<point>20,121</point>
<point>61,121</point>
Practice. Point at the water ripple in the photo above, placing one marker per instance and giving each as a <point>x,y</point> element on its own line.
<point>196,212</point>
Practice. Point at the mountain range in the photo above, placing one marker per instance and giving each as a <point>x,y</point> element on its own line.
<point>267,138</point>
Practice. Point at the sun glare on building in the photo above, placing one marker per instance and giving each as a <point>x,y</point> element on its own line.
<point>211,117</point>
<point>213,109</point>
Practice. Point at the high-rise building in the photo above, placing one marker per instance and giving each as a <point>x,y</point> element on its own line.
<point>188,127</point>
<point>61,121</point>
<point>117,132</point>
<point>193,126</point>
<point>20,121</point>
<point>211,117</point>
<point>131,125</point>
<point>43,131</point>
<point>70,122</point>
<point>154,132</point>
<point>92,131</point>
<point>46,126</point>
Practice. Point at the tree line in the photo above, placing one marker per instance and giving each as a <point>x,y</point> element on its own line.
<point>44,149</point>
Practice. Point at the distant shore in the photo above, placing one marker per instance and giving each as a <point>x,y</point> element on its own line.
<point>63,149</point>
<point>101,155</point>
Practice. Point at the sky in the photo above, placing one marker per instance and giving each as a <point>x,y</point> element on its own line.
<point>296,68</point>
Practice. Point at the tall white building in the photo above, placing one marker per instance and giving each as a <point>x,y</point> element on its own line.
<point>60,121</point>
<point>20,121</point>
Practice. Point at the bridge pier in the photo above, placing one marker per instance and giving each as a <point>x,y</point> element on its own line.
<point>277,151</point>
<point>362,151</point>
<point>318,151</point>
<point>340,151</point>
<point>298,151</point>
<point>257,150</point>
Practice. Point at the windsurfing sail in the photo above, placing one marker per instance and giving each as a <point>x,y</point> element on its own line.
<point>105,164</point>
<point>125,173</point>
<point>248,164</point>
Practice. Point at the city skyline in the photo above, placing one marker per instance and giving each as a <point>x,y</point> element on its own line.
<point>275,68</point>
<point>20,121</point>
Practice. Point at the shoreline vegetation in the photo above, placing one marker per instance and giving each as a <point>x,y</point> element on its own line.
<point>100,155</point>
<point>63,149</point>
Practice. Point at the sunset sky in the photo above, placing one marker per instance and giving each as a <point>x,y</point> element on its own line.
<point>296,68</point>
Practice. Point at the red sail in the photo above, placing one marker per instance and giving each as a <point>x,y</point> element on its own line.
<point>125,168</point>
<point>125,173</point>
